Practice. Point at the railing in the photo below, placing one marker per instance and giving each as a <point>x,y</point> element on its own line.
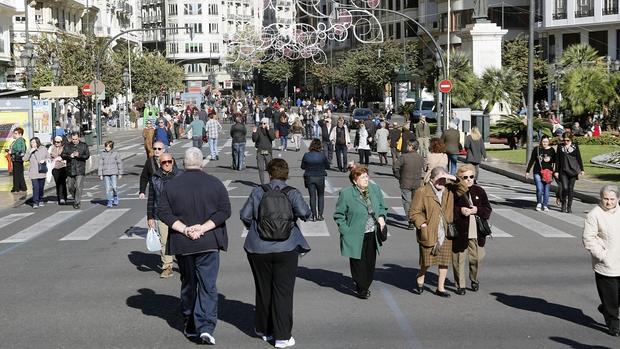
<point>584,13</point>
<point>610,11</point>
<point>559,15</point>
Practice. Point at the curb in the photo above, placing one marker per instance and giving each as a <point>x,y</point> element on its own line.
<point>51,188</point>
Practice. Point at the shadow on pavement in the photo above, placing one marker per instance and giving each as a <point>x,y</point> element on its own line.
<point>147,262</point>
<point>327,278</point>
<point>246,183</point>
<point>163,306</point>
<point>576,345</point>
<point>236,313</point>
<point>540,305</point>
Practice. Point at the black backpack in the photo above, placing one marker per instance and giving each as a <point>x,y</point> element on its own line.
<point>275,214</point>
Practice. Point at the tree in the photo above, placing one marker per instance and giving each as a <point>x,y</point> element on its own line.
<point>154,74</point>
<point>277,71</point>
<point>578,55</point>
<point>464,82</point>
<point>585,89</point>
<point>499,85</point>
<point>515,57</point>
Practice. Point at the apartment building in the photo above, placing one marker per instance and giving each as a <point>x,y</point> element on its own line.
<point>7,11</point>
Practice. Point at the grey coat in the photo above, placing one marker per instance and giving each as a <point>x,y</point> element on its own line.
<point>475,150</point>
<point>110,163</point>
<point>39,155</point>
<point>409,169</point>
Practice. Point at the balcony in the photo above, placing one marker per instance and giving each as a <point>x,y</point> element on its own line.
<point>610,11</point>
<point>559,15</point>
<point>584,13</point>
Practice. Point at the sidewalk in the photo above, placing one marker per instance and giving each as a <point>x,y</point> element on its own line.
<point>11,200</point>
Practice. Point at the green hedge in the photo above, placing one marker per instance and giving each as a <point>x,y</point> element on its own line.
<point>604,139</point>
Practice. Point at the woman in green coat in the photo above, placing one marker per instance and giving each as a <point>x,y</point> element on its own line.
<point>360,210</point>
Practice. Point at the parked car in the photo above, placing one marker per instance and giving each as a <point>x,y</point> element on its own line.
<point>360,115</point>
<point>426,108</point>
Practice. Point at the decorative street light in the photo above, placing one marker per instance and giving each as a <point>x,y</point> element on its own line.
<point>126,82</point>
<point>55,67</point>
<point>28,59</point>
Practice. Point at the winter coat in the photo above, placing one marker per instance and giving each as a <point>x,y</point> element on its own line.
<point>381,137</point>
<point>601,237</point>
<point>110,163</point>
<point>451,139</point>
<point>36,157</point>
<point>76,166</point>
<point>480,200</point>
<point>55,152</point>
<point>238,132</point>
<point>475,150</point>
<point>408,169</point>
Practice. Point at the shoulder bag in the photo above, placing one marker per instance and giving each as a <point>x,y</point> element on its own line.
<point>482,225</point>
<point>451,232</point>
<point>381,233</point>
<point>546,175</point>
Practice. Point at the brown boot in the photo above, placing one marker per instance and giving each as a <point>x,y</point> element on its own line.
<point>166,273</point>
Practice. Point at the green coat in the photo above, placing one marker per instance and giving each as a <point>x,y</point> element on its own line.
<point>351,216</point>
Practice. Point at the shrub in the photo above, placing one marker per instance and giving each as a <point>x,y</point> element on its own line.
<point>604,139</point>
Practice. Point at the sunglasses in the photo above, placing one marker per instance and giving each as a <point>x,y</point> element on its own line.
<point>166,162</point>
<point>469,177</point>
<point>158,148</point>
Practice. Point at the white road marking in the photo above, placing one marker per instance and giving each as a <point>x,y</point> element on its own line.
<point>41,227</point>
<point>227,183</point>
<point>385,195</point>
<point>330,188</point>
<point>569,218</point>
<point>538,227</point>
<point>498,233</point>
<point>95,225</point>
<point>12,218</point>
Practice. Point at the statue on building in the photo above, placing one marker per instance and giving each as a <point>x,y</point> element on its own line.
<point>481,10</point>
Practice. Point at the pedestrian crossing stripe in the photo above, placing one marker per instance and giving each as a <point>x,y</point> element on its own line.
<point>498,233</point>
<point>12,218</point>
<point>40,227</point>
<point>308,229</point>
<point>569,218</point>
<point>136,232</point>
<point>540,228</point>
<point>95,225</point>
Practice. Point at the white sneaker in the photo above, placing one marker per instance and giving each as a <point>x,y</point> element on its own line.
<point>206,338</point>
<point>538,207</point>
<point>546,209</point>
<point>285,343</point>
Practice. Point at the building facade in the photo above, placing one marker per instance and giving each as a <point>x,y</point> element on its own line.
<point>7,11</point>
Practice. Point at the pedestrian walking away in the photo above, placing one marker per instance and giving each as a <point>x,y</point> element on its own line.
<point>213,132</point>
<point>395,137</point>
<point>238,132</point>
<point>298,130</point>
<point>38,157</point>
<point>569,167</point>
<point>148,134</point>
<point>326,129</point>
<point>431,212</point>
<point>601,238</point>
<point>360,211</point>
<point>476,152</point>
<point>110,171</point>
<point>195,207</point>
<point>469,243</point>
<point>542,161</point>
<point>198,130</point>
<point>451,138</point>
<point>408,171</point>
<point>383,145</point>
<point>75,153</point>
<point>315,163</point>
<point>274,263</point>
<point>437,157</point>
<point>59,169</point>
<point>262,137</point>
<point>17,150</point>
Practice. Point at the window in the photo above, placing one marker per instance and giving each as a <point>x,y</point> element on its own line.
<point>551,48</point>
<point>196,27</point>
<point>570,39</point>
<point>20,19</point>
<point>397,8</point>
<point>173,48</point>
<point>213,9</point>
<point>410,29</point>
<point>411,4</point>
<point>213,28</point>
<point>584,8</point>
<point>560,9</point>
<point>598,40</point>
<point>1,39</point>
<point>194,68</point>
<point>193,48</point>
<point>398,30</point>
<point>610,7</point>
<point>215,47</point>
<point>172,9</point>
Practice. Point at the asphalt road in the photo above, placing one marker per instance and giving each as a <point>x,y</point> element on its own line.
<point>83,278</point>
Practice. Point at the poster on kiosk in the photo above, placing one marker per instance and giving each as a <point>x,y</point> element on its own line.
<point>42,120</point>
<point>14,112</point>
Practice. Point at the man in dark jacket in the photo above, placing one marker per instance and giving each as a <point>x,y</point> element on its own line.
<point>262,138</point>
<point>394,137</point>
<point>451,138</point>
<point>195,207</point>
<point>408,170</point>
<point>75,153</point>
<point>166,171</point>
<point>328,147</point>
<point>150,166</point>
<point>238,132</point>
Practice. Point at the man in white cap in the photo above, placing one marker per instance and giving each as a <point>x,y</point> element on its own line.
<point>263,137</point>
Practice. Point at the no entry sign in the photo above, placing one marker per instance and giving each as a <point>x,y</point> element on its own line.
<point>445,86</point>
<point>86,91</point>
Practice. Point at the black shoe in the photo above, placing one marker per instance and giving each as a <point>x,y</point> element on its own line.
<point>614,332</point>
<point>320,218</point>
<point>13,191</point>
<point>217,157</point>
<point>442,294</point>
<point>460,291</point>
<point>190,329</point>
<point>475,286</point>
<point>76,206</point>
<point>313,219</point>
<point>418,289</point>
<point>363,294</point>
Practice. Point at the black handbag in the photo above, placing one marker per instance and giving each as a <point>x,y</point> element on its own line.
<point>381,233</point>
<point>42,167</point>
<point>484,229</point>
<point>451,232</point>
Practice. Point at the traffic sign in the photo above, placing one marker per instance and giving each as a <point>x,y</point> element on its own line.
<point>445,86</point>
<point>86,90</point>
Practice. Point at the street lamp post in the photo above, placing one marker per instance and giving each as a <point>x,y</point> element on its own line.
<point>126,82</point>
<point>55,67</point>
<point>28,59</point>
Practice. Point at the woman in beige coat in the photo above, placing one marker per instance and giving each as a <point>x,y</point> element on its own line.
<point>601,237</point>
<point>435,158</point>
<point>431,211</point>
<point>37,154</point>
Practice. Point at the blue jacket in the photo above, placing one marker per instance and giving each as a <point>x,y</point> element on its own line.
<point>249,217</point>
<point>283,128</point>
<point>315,163</point>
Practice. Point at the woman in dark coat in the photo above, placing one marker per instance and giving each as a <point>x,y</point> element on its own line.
<point>568,167</point>
<point>315,164</point>
<point>469,243</point>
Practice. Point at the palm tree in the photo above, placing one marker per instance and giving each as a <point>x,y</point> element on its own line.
<point>499,85</point>
<point>585,89</point>
<point>465,83</point>
<point>579,55</point>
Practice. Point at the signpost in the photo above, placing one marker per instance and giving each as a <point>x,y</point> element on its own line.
<point>445,86</point>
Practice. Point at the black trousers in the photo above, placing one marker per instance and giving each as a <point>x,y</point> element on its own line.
<point>19,183</point>
<point>363,269</point>
<point>364,156</point>
<point>568,187</point>
<point>274,279</point>
<point>328,150</point>
<point>316,190</point>
<point>60,178</point>
<point>609,292</point>
<point>341,156</point>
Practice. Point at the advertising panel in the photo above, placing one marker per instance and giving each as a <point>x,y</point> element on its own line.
<point>42,120</point>
<point>13,113</point>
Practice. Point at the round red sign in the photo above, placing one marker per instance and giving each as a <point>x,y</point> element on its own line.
<point>86,91</point>
<point>445,86</point>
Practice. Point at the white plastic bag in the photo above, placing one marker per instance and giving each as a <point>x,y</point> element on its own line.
<point>152,240</point>
<point>189,133</point>
<point>50,167</point>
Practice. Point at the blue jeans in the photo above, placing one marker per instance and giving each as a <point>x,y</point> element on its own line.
<point>238,156</point>
<point>542,190</point>
<point>37,190</point>
<point>452,159</point>
<point>284,142</point>
<point>213,147</point>
<point>110,187</point>
<point>198,289</point>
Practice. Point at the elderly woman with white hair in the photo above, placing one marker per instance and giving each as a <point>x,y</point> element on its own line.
<point>601,237</point>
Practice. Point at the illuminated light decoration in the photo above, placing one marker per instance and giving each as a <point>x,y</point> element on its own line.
<point>300,40</point>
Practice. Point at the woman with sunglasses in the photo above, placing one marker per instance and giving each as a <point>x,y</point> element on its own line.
<point>569,167</point>
<point>468,243</point>
<point>59,170</point>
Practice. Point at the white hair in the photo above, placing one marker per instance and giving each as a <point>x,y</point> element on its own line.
<point>193,158</point>
<point>609,188</point>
